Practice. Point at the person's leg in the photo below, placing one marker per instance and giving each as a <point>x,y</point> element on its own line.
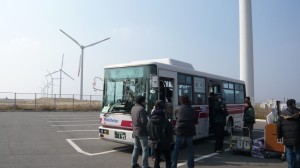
<point>190,150</point>
<point>297,152</point>
<point>135,152</point>
<point>222,135</point>
<point>178,143</point>
<point>251,131</point>
<point>145,149</point>
<point>157,157</point>
<point>167,155</point>
<point>246,130</point>
<point>289,155</point>
<point>151,150</point>
<point>218,137</point>
<point>152,153</point>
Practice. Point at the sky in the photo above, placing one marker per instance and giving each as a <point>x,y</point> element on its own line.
<point>204,33</point>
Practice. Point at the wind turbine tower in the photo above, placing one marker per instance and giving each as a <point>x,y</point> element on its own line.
<point>246,47</point>
<point>81,59</point>
<point>60,75</point>
<point>45,89</point>
<point>52,81</point>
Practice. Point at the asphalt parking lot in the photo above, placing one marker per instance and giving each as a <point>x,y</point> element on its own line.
<point>70,140</point>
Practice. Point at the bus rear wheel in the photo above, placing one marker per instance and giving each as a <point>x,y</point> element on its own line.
<point>229,127</point>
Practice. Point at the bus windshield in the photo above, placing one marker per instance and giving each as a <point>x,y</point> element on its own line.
<point>123,85</point>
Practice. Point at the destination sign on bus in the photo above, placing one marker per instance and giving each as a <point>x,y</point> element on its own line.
<point>130,72</point>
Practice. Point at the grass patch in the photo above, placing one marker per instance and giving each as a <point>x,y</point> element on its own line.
<point>261,113</point>
<point>50,104</point>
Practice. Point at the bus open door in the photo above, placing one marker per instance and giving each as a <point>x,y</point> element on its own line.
<point>213,89</point>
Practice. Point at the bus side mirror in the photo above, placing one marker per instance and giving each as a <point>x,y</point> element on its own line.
<point>154,81</point>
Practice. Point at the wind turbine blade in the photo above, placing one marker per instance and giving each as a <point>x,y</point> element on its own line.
<point>67,74</point>
<point>49,74</point>
<point>62,62</point>
<point>52,73</point>
<point>97,42</point>
<point>70,38</point>
<point>79,64</point>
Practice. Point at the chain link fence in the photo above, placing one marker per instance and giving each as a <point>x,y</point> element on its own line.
<point>46,102</point>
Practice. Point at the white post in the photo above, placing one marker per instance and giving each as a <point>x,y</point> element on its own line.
<point>246,47</point>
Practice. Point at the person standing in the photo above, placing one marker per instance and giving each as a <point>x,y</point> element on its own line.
<point>288,128</point>
<point>211,113</point>
<point>139,123</point>
<point>186,118</point>
<point>161,132</point>
<point>249,119</point>
<point>220,113</point>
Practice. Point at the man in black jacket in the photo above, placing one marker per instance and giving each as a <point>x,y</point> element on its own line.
<point>220,113</point>
<point>139,123</point>
<point>288,128</point>
<point>161,133</point>
<point>186,118</point>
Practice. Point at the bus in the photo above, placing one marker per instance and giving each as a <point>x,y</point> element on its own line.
<point>164,79</point>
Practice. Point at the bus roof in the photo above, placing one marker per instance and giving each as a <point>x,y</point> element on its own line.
<point>176,66</point>
<point>166,61</point>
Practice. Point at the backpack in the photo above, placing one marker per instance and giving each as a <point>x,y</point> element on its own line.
<point>157,134</point>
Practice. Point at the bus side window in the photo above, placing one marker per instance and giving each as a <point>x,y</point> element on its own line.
<point>162,95</point>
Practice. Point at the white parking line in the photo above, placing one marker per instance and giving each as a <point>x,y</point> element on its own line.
<point>207,156</point>
<point>73,125</point>
<point>79,131</point>
<point>78,149</point>
<point>202,157</point>
<point>75,121</point>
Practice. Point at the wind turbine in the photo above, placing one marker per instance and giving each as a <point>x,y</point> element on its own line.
<point>60,72</point>
<point>51,83</point>
<point>81,59</point>
<point>46,86</point>
<point>42,91</point>
<point>246,46</point>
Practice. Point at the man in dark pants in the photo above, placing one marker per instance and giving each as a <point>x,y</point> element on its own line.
<point>186,119</point>
<point>288,128</point>
<point>249,119</point>
<point>139,123</point>
<point>211,112</point>
<point>220,114</point>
